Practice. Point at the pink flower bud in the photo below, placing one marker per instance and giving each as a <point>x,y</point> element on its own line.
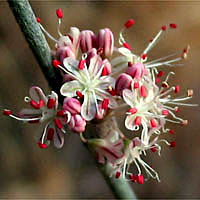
<point>87,38</point>
<point>63,52</point>
<point>137,70</point>
<point>107,67</point>
<point>102,112</point>
<point>105,40</point>
<point>123,82</point>
<point>77,123</point>
<point>72,105</point>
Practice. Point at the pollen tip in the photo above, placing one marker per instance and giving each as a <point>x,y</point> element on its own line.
<point>164,27</point>
<point>165,112</point>
<point>59,13</point>
<point>126,45</point>
<point>133,178</point>
<point>140,179</point>
<point>117,175</point>
<point>38,19</point>
<point>153,149</point>
<point>173,26</point>
<point>144,56</point>
<point>130,64</point>
<point>42,146</point>
<point>79,94</point>
<point>138,120</point>
<point>7,112</point>
<point>81,64</point>
<point>165,85</point>
<point>129,23</point>
<point>56,63</point>
<point>132,110</point>
<point>172,144</point>
<point>177,89</point>
<point>171,131</point>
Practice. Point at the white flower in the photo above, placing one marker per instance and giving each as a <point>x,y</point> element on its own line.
<point>90,83</point>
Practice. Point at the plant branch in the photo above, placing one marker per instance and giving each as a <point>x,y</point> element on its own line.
<point>26,19</point>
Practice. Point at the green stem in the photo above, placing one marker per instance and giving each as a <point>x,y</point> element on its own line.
<point>26,19</point>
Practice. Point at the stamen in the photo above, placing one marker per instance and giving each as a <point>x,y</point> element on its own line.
<point>36,105</point>
<point>173,26</point>
<point>105,104</point>
<point>171,132</point>
<point>56,63</point>
<point>165,112</point>
<point>153,149</point>
<point>51,103</point>
<point>138,120</point>
<point>177,89</point>
<point>132,110</point>
<point>81,64</point>
<point>79,94</point>
<point>160,74</point>
<point>7,112</point>
<point>140,179</point>
<point>126,45</point>
<point>104,72</point>
<point>59,13</point>
<point>38,19</point>
<point>117,175</point>
<point>143,91</point>
<point>136,85</point>
<point>164,27</point>
<point>42,146</point>
<point>50,134</point>
<point>129,23</point>
<point>58,123</point>
<point>153,123</point>
<point>172,144</point>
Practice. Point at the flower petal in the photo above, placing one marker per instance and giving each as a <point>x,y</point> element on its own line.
<point>71,65</point>
<point>129,97</point>
<point>37,94</point>
<point>88,109</point>
<point>69,89</point>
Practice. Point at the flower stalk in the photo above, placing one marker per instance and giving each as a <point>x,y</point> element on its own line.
<point>30,28</point>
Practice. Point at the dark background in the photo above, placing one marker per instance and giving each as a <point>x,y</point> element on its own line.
<point>27,171</point>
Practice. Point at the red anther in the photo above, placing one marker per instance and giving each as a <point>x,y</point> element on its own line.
<point>165,85</point>
<point>34,104</point>
<point>112,91</point>
<point>41,103</point>
<point>60,113</point>
<point>81,64</point>
<point>117,175</point>
<point>130,64</point>
<point>165,112</point>
<point>153,149</point>
<point>172,144</point>
<point>136,85</point>
<point>133,178</point>
<point>160,74</point>
<point>153,123</point>
<point>50,134</point>
<point>143,91</point>
<point>164,28</point>
<point>151,40</point>
<point>144,56</point>
<point>177,89</point>
<point>58,123</point>
<point>105,104</point>
<point>138,120</point>
<point>59,13</point>
<point>104,72</point>
<point>56,63</point>
<point>171,131</point>
<point>7,112</point>
<point>79,94</point>
<point>38,19</point>
<point>190,93</point>
<point>51,103</point>
<point>126,45</point>
<point>132,110</point>
<point>129,23</point>
<point>173,25</point>
<point>184,122</point>
<point>140,179</point>
<point>157,80</point>
<point>42,146</point>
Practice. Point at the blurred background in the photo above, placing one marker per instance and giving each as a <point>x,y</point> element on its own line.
<point>27,171</point>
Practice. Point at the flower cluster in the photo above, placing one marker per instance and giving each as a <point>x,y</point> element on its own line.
<point>94,94</point>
